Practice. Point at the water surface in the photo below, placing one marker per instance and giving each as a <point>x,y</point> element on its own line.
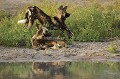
<point>60,70</point>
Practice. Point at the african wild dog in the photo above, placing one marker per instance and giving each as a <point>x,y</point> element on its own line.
<point>56,22</point>
<point>38,39</point>
<point>41,40</point>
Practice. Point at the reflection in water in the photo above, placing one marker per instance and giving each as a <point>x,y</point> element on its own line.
<point>44,70</point>
<point>60,70</point>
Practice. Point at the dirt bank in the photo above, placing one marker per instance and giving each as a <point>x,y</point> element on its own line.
<point>91,51</point>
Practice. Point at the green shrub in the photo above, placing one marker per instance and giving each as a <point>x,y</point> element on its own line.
<point>112,48</point>
<point>93,22</point>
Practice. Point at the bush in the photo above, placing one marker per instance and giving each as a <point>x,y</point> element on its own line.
<point>112,48</point>
<point>93,22</point>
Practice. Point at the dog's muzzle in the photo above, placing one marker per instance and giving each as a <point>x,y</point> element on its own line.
<point>67,15</point>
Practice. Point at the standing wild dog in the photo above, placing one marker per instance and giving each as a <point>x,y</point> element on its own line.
<point>56,22</point>
<point>41,40</point>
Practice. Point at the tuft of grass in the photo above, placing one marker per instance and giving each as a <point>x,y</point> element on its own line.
<point>112,48</point>
<point>93,22</point>
<point>12,34</point>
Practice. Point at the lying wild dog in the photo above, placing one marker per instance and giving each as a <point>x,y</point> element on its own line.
<point>56,22</point>
<point>41,40</point>
<point>38,40</point>
<point>56,44</point>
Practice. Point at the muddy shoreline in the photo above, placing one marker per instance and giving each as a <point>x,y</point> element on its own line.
<point>79,51</point>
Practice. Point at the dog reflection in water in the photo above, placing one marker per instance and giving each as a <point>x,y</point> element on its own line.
<point>52,69</point>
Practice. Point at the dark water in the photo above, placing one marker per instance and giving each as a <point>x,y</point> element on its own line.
<point>60,70</point>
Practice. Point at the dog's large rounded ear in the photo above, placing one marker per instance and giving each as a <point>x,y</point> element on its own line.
<point>61,7</point>
<point>65,8</point>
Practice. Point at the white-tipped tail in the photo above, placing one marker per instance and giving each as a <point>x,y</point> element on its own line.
<point>22,21</point>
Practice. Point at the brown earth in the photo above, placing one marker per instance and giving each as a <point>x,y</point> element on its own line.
<point>90,51</point>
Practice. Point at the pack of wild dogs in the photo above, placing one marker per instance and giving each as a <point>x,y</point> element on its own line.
<point>42,37</point>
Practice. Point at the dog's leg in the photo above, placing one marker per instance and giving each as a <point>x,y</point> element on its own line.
<point>31,22</point>
<point>40,48</point>
<point>69,33</point>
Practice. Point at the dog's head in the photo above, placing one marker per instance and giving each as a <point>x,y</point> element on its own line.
<point>62,14</point>
<point>30,15</point>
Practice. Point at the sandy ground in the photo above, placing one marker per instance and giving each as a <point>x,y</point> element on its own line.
<point>90,51</point>
<point>12,6</point>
